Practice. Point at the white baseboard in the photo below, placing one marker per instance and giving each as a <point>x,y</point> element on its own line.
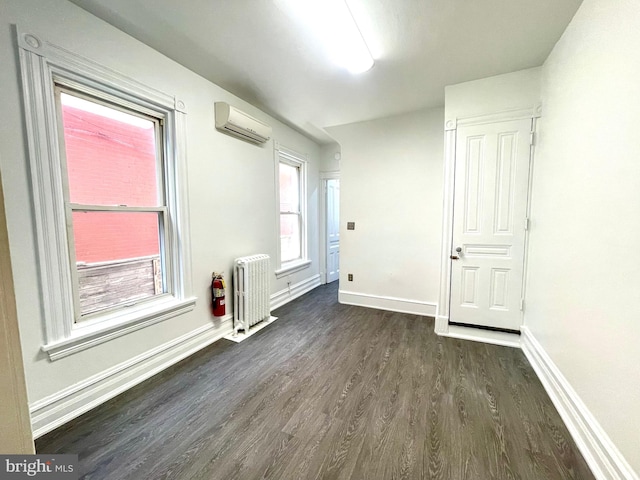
<point>69,403</point>
<point>284,296</point>
<point>393,304</point>
<point>602,456</point>
<point>61,407</point>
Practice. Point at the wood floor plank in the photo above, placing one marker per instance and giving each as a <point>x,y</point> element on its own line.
<point>331,391</point>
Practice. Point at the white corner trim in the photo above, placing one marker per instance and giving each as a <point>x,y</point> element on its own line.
<point>284,296</point>
<point>602,456</point>
<point>393,304</point>
<point>71,402</point>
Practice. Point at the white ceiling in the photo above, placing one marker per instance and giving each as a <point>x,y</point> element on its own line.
<point>255,49</point>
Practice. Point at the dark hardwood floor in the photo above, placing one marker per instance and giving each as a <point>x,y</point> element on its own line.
<point>330,391</point>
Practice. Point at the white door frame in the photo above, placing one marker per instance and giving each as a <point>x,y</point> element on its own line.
<point>450,127</point>
<point>324,176</point>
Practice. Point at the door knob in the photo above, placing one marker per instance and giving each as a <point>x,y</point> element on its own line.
<point>458,249</point>
<point>454,257</point>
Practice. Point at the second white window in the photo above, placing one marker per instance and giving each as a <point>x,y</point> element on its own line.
<point>292,209</point>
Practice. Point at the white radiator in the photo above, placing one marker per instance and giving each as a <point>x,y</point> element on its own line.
<point>251,287</point>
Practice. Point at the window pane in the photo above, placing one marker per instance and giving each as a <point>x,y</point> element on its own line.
<point>111,155</point>
<point>289,188</point>
<point>118,258</point>
<point>289,237</point>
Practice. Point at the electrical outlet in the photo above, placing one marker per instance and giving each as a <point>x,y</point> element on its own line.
<point>351,225</point>
<point>350,277</point>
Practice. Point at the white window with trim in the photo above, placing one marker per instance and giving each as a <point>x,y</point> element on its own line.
<point>107,158</point>
<point>291,181</point>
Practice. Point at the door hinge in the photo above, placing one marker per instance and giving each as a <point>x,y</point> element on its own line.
<point>526,223</point>
<point>532,140</point>
<point>522,304</point>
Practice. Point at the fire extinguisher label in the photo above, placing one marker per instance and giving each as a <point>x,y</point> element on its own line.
<point>218,292</point>
<point>222,302</point>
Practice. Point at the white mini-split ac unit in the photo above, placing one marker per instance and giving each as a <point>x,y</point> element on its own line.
<point>235,122</point>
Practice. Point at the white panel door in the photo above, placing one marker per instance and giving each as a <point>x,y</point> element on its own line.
<point>489,221</point>
<point>333,229</point>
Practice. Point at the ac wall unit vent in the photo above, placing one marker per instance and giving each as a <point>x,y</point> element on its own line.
<point>235,122</point>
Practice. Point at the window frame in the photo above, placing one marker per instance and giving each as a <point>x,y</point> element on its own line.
<point>70,207</point>
<point>43,66</point>
<point>292,158</point>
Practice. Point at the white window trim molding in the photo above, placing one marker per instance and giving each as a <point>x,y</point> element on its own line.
<point>292,267</point>
<point>41,64</point>
<point>294,158</point>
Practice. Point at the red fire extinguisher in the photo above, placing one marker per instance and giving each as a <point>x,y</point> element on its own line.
<point>217,294</point>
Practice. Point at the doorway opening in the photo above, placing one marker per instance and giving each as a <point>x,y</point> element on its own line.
<point>331,189</point>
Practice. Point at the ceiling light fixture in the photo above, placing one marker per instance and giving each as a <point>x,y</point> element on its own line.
<point>333,23</point>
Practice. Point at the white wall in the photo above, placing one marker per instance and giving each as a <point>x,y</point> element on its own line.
<point>583,296</point>
<point>328,160</point>
<point>231,186</point>
<point>391,186</point>
<point>510,91</point>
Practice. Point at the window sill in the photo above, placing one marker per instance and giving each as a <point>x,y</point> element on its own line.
<point>83,337</point>
<point>292,267</point>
